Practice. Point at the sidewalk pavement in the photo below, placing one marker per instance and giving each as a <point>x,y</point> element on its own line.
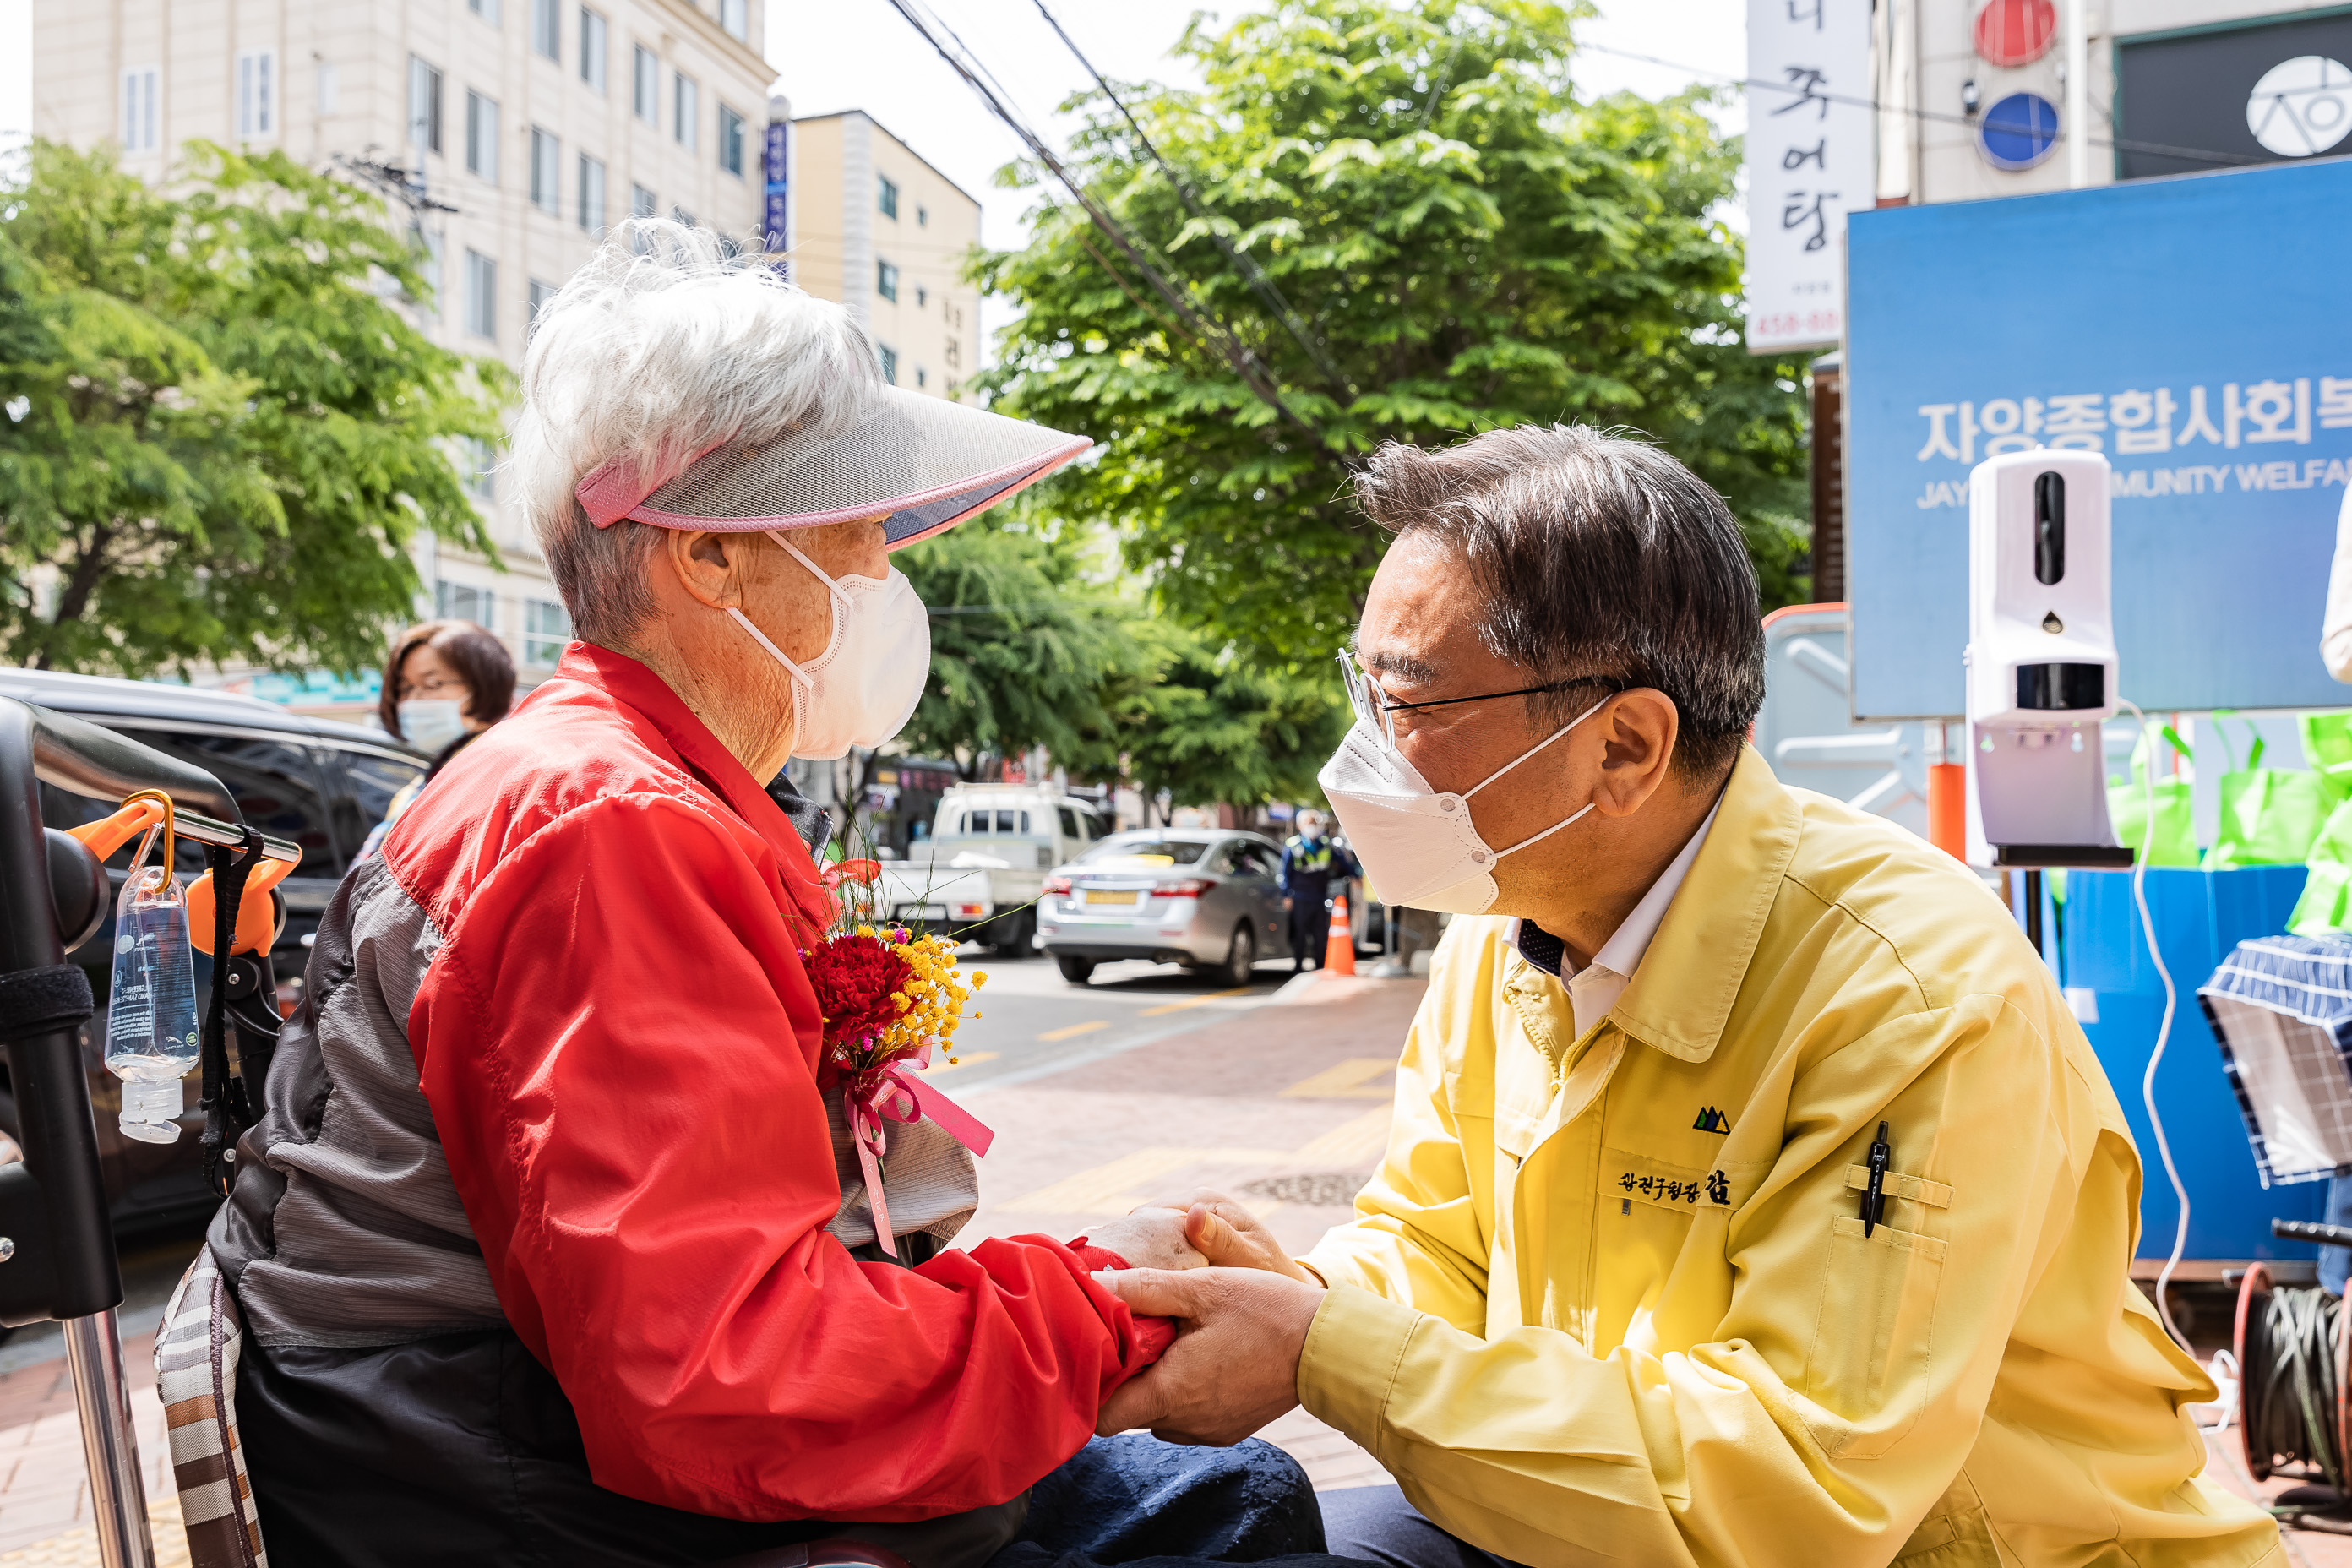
<point>44,1515</point>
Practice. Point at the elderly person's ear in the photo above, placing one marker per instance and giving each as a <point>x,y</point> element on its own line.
<point>713,567</point>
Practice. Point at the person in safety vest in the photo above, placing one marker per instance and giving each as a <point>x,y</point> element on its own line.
<point>550,1246</point>
<point>1751,1194</point>
<point>1311,863</point>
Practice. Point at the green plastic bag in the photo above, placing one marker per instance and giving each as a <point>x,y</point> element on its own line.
<point>2327,747</point>
<point>2325,906</point>
<point>2175,831</point>
<point>2270,816</point>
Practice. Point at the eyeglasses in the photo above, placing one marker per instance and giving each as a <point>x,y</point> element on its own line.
<point>1371,704</point>
<point>434,685</point>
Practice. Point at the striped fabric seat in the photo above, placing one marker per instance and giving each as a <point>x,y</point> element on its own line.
<point>195,1372</point>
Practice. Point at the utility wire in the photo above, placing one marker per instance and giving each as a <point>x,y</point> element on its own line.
<point>1938,117</point>
<point>1236,354</point>
<point>1254,276</point>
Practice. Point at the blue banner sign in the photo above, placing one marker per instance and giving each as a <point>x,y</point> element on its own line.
<point>2192,329</point>
<point>778,164</point>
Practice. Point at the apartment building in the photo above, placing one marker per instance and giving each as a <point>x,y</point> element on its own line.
<point>880,231</point>
<point>506,134</point>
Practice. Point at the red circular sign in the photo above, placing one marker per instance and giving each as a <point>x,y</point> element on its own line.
<point>2015,32</point>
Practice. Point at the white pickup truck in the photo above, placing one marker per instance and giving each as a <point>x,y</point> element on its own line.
<point>980,872</point>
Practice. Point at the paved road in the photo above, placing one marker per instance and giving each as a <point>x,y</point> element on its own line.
<point>1032,1022</point>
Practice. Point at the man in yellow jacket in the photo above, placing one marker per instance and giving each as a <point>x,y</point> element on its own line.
<point>1620,1290</point>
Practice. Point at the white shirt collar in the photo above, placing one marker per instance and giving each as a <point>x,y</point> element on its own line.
<point>1594,990</point>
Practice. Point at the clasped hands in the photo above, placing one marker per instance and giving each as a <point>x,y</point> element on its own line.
<point>1242,1310</point>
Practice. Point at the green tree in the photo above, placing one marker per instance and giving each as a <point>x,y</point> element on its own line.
<point>222,434</point>
<point>1022,643</point>
<point>1463,244</point>
<point>1208,728</point>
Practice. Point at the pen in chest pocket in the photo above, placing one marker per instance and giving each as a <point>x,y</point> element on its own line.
<point>1873,1197</point>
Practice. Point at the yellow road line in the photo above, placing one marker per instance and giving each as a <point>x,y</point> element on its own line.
<point>1191,1002</point>
<point>964,1059</point>
<point>1086,1028</point>
<point>1350,1080</point>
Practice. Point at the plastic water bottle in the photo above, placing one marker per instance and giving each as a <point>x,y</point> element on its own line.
<point>151,1020</point>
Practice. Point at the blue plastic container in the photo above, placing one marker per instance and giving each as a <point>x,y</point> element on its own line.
<point>2199,916</point>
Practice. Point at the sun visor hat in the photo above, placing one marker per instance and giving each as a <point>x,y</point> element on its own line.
<point>922,463</point>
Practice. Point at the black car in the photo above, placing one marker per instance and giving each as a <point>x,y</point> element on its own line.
<point>318,783</point>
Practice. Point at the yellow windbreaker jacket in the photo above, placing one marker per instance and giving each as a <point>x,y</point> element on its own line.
<point>1608,1298</point>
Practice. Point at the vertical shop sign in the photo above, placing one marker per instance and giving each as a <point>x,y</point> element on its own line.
<point>1809,163</point>
<point>779,174</point>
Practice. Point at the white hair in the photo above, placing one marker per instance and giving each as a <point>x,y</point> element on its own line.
<point>661,348</point>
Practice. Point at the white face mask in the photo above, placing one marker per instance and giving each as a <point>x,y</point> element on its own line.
<point>862,687</point>
<point>430,723</point>
<point>1418,845</point>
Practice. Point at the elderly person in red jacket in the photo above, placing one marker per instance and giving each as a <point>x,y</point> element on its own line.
<point>542,1245</point>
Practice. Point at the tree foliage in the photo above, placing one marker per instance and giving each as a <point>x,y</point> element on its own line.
<point>1022,645</point>
<point>1463,242</point>
<point>1203,727</point>
<point>222,435</point>
<point>1033,645</point>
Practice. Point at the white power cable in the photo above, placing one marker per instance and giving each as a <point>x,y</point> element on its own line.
<point>2163,1031</point>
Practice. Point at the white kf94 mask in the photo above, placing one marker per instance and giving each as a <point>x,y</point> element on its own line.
<point>1417,844</point>
<point>862,687</point>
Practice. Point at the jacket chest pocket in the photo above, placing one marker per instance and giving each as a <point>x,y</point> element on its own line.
<point>1874,1340</point>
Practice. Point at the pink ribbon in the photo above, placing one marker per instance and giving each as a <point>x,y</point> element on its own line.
<point>891,1093</point>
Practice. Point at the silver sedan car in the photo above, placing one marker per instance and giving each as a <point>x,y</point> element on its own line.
<point>1204,897</point>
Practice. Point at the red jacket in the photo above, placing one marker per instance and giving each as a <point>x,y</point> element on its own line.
<point>620,1047</point>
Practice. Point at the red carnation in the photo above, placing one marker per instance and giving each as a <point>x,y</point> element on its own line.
<point>855,978</point>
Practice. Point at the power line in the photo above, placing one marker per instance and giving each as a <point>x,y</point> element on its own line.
<point>1252,274</point>
<point>1931,116</point>
<point>1237,355</point>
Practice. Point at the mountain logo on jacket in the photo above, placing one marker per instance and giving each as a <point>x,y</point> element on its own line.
<point>1710,1120</point>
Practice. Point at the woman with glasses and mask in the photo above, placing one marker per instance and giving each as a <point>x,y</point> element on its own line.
<point>445,682</point>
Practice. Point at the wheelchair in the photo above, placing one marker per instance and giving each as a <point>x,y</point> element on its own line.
<point>56,1242</point>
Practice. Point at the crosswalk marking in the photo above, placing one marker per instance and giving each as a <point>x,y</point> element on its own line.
<point>1350,1142</point>
<point>1124,1183</point>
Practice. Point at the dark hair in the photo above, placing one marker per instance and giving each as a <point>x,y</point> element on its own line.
<point>1601,557</point>
<point>473,653</point>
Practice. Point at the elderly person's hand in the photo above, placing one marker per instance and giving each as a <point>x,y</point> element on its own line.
<point>1235,1365</point>
<point>1153,1236</point>
<point>1227,1236</point>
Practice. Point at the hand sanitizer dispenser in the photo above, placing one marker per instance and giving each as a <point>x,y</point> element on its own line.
<point>2041,661</point>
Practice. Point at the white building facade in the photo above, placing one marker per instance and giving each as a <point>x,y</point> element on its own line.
<point>518,131</point>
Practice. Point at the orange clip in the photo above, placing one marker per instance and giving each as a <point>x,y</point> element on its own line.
<point>108,834</point>
<point>256,913</point>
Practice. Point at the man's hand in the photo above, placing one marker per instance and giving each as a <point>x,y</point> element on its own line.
<point>1287,901</point>
<point>1153,1236</point>
<point>1235,1365</point>
<point>1228,1236</point>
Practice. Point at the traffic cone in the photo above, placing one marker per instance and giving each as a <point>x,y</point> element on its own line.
<point>1340,950</point>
